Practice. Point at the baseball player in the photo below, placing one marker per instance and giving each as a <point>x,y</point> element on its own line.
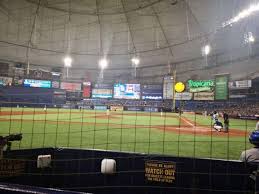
<point>217,125</point>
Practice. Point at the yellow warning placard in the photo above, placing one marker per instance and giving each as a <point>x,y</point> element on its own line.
<point>157,171</point>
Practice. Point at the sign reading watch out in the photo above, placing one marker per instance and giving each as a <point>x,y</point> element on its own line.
<point>201,85</point>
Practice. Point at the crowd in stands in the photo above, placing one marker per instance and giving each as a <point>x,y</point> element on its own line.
<point>232,108</point>
<point>123,102</point>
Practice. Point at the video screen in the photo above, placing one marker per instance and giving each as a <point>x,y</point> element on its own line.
<point>101,93</point>
<point>37,83</point>
<point>152,92</point>
<point>127,91</point>
<point>72,87</point>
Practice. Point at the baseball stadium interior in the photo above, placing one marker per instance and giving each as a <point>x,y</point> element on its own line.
<point>129,96</point>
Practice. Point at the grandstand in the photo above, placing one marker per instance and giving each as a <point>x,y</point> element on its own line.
<point>119,96</point>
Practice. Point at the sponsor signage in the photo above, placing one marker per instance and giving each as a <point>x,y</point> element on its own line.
<point>37,83</point>
<point>6,81</point>
<point>116,108</point>
<point>244,84</point>
<point>101,93</point>
<point>100,107</point>
<point>103,86</point>
<point>204,96</point>
<point>72,87</point>
<point>134,108</point>
<point>183,96</point>
<point>221,87</point>
<point>55,84</point>
<point>86,91</point>
<point>201,85</point>
<point>237,96</point>
<point>179,87</point>
<point>150,109</point>
<point>160,172</point>
<point>168,87</point>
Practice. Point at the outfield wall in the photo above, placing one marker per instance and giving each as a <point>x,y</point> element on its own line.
<point>34,96</point>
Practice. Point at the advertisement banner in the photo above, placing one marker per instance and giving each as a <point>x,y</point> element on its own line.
<point>72,87</point>
<point>201,85</point>
<point>86,89</point>
<point>55,84</point>
<point>221,87</point>
<point>204,96</point>
<point>150,109</point>
<point>134,108</point>
<point>116,108</point>
<point>103,86</point>
<point>237,96</point>
<point>168,87</point>
<point>101,93</point>
<point>37,83</point>
<point>100,107</point>
<point>183,96</point>
<point>243,84</point>
<point>6,81</point>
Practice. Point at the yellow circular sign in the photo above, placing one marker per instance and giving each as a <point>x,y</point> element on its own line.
<point>179,87</point>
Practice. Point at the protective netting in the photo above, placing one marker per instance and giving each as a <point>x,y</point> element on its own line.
<point>114,125</point>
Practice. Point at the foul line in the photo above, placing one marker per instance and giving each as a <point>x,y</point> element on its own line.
<point>186,121</point>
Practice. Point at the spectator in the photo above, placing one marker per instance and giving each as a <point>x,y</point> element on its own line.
<point>252,155</point>
<point>257,124</point>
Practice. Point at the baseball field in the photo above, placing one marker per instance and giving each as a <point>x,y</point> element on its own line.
<point>145,132</point>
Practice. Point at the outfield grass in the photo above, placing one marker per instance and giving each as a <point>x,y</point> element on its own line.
<point>122,131</point>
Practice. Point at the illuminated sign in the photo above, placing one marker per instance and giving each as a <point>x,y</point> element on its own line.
<point>37,83</point>
<point>201,85</point>
<point>179,87</point>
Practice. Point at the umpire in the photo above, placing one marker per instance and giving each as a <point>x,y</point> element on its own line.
<point>226,122</point>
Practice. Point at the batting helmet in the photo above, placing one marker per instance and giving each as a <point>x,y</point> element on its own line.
<point>254,138</point>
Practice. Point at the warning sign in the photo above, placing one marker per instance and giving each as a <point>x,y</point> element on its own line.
<point>163,172</point>
<point>10,168</point>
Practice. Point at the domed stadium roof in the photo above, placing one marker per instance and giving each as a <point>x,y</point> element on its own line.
<point>156,31</point>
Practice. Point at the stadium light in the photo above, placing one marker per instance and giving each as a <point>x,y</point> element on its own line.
<point>67,61</point>
<point>135,61</point>
<point>206,50</point>
<point>241,15</point>
<point>103,63</point>
<point>249,37</point>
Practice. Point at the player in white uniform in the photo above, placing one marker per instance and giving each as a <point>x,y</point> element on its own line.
<point>217,125</point>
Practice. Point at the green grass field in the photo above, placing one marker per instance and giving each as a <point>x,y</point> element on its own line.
<point>123,131</point>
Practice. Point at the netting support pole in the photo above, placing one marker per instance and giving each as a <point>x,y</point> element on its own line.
<point>174,82</point>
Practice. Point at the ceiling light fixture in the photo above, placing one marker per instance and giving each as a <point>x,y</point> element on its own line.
<point>135,61</point>
<point>67,61</point>
<point>103,63</point>
<point>241,15</point>
<point>206,50</point>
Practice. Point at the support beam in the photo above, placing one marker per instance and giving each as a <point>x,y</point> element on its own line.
<point>30,38</point>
